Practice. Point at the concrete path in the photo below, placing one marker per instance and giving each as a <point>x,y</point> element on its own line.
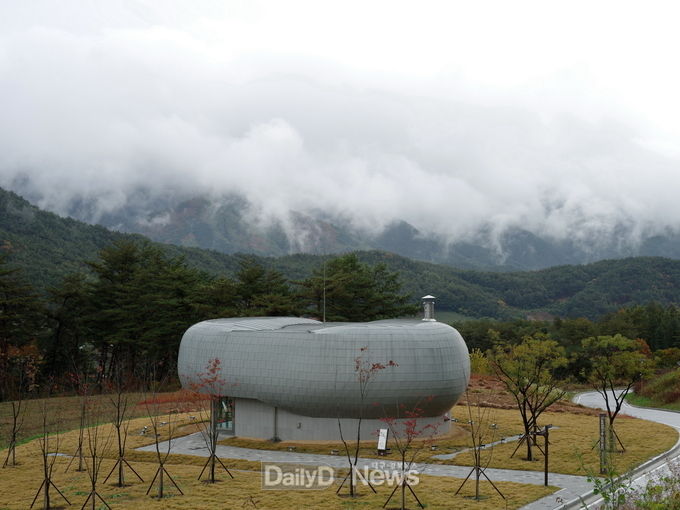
<point>572,486</point>
<point>594,399</point>
<point>567,498</point>
<point>653,468</point>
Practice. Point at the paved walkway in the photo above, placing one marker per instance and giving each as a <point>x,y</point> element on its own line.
<point>571,487</point>
<point>659,466</point>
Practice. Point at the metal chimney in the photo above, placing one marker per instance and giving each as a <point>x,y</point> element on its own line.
<point>428,308</point>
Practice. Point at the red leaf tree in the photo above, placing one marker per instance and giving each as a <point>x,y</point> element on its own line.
<point>365,370</point>
<point>208,387</point>
<point>410,435</point>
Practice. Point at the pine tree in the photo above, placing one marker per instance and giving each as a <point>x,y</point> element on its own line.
<point>263,292</point>
<point>21,320</point>
<point>348,290</point>
<point>68,337</point>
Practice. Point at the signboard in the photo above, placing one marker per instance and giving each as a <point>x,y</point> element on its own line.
<point>382,439</point>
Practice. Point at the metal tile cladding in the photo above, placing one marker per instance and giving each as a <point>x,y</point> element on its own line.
<point>309,368</point>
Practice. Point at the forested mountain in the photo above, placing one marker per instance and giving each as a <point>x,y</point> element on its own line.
<point>47,246</point>
<point>231,224</point>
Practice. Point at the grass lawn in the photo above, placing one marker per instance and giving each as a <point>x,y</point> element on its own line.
<point>642,401</point>
<point>18,484</point>
<point>571,442</point>
<point>69,413</point>
<point>572,439</point>
<point>661,390</point>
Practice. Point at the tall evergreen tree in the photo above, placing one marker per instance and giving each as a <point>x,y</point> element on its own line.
<point>263,292</point>
<point>113,299</point>
<point>21,318</point>
<point>65,346</point>
<point>142,303</point>
<point>348,290</point>
<point>216,298</point>
<point>164,290</point>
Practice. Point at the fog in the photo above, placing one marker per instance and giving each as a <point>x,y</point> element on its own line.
<point>449,116</point>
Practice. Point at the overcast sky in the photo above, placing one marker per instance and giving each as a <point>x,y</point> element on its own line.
<point>561,117</point>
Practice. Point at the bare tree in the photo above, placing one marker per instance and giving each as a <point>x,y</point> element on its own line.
<point>158,424</point>
<point>79,382</point>
<point>48,444</point>
<point>15,388</point>
<point>18,414</point>
<point>121,422</point>
<point>482,433</point>
<point>98,443</point>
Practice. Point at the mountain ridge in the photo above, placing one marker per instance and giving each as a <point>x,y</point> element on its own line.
<point>227,225</point>
<point>46,246</point>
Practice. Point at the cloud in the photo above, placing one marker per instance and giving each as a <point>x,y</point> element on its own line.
<point>164,104</point>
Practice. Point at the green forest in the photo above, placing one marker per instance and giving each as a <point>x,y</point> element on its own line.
<point>75,297</point>
<point>79,301</point>
<point>134,302</point>
<point>47,247</point>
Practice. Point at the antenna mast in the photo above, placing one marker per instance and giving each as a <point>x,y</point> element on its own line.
<point>324,289</point>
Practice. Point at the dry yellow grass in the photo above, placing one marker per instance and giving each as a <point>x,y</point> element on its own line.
<point>574,438</point>
<point>18,484</point>
<point>571,442</point>
<point>69,412</point>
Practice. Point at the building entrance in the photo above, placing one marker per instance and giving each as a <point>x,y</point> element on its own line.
<point>225,415</point>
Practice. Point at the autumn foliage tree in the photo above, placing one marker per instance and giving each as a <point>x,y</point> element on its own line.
<point>208,387</point>
<point>527,371</point>
<point>614,365</point>
<point>411,433</point>
<point>364,370</point>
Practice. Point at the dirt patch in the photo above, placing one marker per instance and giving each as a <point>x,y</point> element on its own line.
<point>488,391</point>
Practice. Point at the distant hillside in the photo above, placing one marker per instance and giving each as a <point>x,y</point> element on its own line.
<point>47,246</point>
<point>229,224</point>
<point>572,291</point>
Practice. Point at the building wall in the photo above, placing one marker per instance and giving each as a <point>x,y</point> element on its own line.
<point>309,368</point>
<point>256,419</point>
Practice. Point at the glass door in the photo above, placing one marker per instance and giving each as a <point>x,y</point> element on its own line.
<point>225,415</point>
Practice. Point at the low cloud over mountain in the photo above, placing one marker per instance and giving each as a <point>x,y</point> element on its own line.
<point>119,113</point>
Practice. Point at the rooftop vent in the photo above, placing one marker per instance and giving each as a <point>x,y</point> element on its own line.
<point>428,308</point>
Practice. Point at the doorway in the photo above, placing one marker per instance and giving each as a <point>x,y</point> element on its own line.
<point>225,415</point>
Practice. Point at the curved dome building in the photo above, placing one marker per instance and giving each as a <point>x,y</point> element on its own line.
<point>291,378</point>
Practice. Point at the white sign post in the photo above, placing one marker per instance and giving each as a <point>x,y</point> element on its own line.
<point>382,440</point>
